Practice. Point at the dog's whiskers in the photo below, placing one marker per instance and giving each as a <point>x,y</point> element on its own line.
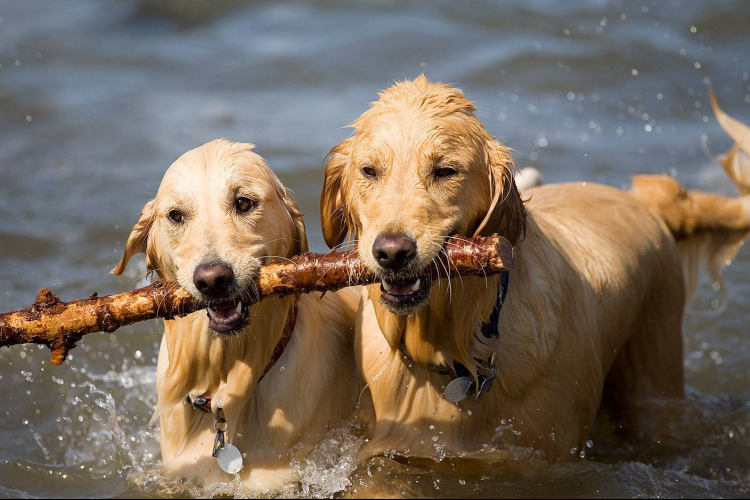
<point>448,259</point>
<point>164,297</point>
<point>143,276</point>
<point>277,257</point>
<point>479,263</point>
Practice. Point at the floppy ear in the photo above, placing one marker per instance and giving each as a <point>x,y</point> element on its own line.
<point>506,214</point>
<point>299,245</point>
<point>137,239</point>
<point>333,217</point>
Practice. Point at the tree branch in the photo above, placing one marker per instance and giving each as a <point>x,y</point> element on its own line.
<point>60,325</point>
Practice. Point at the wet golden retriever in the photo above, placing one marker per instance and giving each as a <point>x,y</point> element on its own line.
<point>219,214</point>
<point>594,304</point>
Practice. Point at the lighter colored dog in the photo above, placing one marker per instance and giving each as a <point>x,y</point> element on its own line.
<point>219,214</point>
<point>594,303</point>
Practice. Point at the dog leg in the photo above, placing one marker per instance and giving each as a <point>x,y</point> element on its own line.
<point>649,367</point>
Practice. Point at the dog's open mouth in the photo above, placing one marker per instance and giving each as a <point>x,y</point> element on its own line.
<point>405,292</point>
<point>227,318</point>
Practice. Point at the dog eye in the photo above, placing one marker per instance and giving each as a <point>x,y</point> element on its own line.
<point>369,172</point>
<point>243,204</point>
<point>443,172</point>
<point>176,216</point>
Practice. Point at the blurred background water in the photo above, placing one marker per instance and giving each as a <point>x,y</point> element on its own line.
<point>98,98</point>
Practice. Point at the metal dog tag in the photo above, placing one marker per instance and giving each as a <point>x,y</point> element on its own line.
<point>229,458</point>
<point>458,389</point>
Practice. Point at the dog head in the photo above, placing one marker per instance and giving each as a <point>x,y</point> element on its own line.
<point>218,215</point>
<point>418,168</point>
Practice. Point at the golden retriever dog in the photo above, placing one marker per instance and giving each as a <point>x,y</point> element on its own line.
<point>219,214</point>
<point>594,304</point>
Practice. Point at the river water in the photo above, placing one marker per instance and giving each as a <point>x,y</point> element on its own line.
<point>97,98</point>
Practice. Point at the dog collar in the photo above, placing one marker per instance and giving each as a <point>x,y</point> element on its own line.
<point>286,336</point>
<point>464,384</point>
<point>203,403</point>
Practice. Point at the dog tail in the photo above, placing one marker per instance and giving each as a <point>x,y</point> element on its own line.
<point>708,229</point>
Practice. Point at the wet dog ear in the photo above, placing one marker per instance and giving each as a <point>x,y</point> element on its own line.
<point>333,215</point>
<point>138,238</point>
<point>299,243</point>
<point>506,214</point>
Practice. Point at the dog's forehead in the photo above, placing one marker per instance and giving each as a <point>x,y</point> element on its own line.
<point>389,138</point>
<point>414,127</point>
<point>218,167</point>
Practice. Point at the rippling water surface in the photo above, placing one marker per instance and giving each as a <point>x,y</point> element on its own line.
<point>98,98</point>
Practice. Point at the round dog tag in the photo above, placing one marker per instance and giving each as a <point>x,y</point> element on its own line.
<point>229,458</point>
<point>458,389</point>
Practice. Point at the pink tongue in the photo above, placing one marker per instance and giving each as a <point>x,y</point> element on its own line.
<point>224,312</point>
<point>401,289</point>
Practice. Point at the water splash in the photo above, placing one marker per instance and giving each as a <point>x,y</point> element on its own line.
<point>328,468</point>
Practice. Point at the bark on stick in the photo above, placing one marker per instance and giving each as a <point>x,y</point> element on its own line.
<point>60,325</point>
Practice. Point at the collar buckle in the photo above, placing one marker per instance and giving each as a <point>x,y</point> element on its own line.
<point>202,403</point>
<point>485,383</point>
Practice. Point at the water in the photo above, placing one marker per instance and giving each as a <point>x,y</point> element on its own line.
<point>98,98</point>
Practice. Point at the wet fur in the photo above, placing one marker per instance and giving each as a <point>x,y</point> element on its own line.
<point>312,385</point>
<point>595,303</point>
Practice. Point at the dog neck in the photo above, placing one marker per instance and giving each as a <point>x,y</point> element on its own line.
<point>448,328</point>
<point>200,362</point>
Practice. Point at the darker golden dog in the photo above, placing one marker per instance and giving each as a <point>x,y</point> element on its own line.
<point>592,316</point>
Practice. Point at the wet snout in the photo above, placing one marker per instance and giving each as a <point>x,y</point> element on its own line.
<point>213,280</point>
<point>400,290</point>
<point>394,251</point>
<point>217,283</point>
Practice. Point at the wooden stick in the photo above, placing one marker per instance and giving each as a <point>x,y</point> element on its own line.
<point>60,325</point>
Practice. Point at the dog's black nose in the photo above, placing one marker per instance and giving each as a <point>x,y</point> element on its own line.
<point>214,279</point>
<point>394,251</point>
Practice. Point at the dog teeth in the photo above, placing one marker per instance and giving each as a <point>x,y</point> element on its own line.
<point>234,317</point>
<point>225,321</point>
<point>414,287</point>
